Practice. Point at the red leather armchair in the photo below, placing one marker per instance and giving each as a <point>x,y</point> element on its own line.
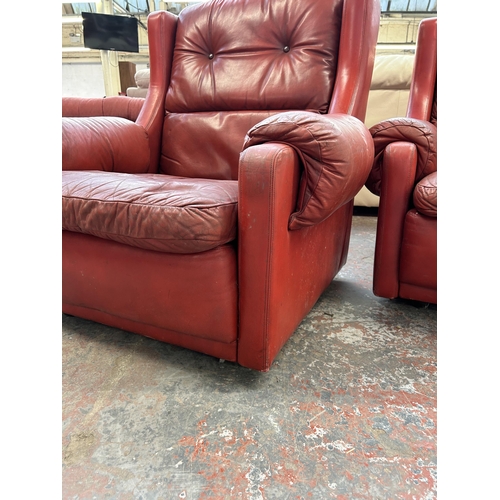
<point>404,175</point>
<point>216,219</point>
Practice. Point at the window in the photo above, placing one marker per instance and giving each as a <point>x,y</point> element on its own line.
<point>409,6</point>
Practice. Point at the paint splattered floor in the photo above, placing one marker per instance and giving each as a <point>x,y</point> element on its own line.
<point>348,410</point>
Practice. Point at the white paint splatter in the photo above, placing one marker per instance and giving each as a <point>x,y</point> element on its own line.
<point>274,424</point>
<point>350,335</point>
<point>384,459</point>
<point>226,434</point>
<point>255,477</point>
<point>342,446</point>
<point>318,432</point>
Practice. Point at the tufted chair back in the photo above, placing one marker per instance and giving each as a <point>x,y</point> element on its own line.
<point>236,63</point>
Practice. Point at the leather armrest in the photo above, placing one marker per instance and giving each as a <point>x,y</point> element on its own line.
<point>421,133</point>
<point>336,153</point>
<point>124,107</point>
<point>268,182</point>
<point>104,143</point>
<point>398,169</point>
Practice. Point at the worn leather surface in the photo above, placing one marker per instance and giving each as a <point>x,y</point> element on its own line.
<point>225,79</point>
<point>219,141</point>
<point>152,211</point>
<point>255,55</point>
<point>122,106</point>
<point>336,152</point>
<point>186,299</point>
<point>421,133</point>
<point>105,143</point>
<point>425,195</point>
<point>418,261</point>
<point>281,272</point>
<point>162,26</point>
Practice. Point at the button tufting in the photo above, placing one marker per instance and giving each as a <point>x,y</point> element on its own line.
<point>210,56</point>
<point>286,48</point>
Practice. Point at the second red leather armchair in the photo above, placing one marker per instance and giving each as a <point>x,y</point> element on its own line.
<point>404,175</point>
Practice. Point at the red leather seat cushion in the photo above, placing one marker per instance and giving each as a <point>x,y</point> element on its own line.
<point>152,211</point>
<point>425,195</point>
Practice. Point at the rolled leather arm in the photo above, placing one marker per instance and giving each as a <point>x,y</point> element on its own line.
<point>419,132</point>
<point>122,106</point>
<point>336,153</point>
<point>104,143</point>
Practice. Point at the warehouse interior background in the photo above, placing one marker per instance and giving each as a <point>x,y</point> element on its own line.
<point>468,270</point>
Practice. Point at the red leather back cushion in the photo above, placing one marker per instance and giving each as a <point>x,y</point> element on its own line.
<point>206,145</point>
<point>240,55</point>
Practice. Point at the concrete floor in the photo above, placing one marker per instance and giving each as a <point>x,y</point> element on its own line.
<point>348,410</point>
